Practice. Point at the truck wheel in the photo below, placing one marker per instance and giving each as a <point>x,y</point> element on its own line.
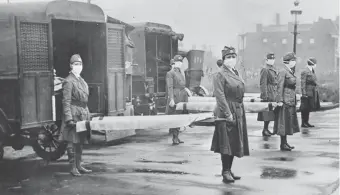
<point>47,146</point>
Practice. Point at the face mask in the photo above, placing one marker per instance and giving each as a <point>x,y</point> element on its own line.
<point>77,70</point>
<point>230,62</point>
<point>270,62</point>
<point>292,64</point>
<point>178,64</point>
<point>314,66</point>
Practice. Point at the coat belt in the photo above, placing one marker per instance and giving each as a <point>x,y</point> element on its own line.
<point>79,104</point>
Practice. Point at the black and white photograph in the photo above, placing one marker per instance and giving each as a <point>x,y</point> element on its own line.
<point>169,97</point>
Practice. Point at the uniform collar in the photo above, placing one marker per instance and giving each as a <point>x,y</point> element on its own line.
<point>310,68</point>
<point>75,75</point>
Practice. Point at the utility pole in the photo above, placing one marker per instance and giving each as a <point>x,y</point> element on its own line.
<point>295,11</point>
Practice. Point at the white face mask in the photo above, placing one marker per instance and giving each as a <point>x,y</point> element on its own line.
<point>178,64</point>
<point>314,66</point>
<point>77,69</point>
<point>230,62</point>
<point>270,62</point>
<point>292,64</point>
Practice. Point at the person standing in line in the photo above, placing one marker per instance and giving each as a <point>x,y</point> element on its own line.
<point>74,101</point>
<point>268,86</point>
<point>310,95</point>
<point>230,136</point>
<point>176,92</point>
<point>286,121</point>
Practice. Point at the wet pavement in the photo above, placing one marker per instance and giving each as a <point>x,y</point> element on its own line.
<point>148,164</point>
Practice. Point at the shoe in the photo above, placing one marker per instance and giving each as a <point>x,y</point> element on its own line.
<point>285,148</point>
<point>227,177</point>
<point>309,125</point>
<point>234,176</point>
<point>266,133</point>
<point>180,141</point>
<point>291,147</point>
<point>304,125</point>
<point>73,162</point>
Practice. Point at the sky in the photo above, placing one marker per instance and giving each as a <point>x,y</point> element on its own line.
<point>213,22</point>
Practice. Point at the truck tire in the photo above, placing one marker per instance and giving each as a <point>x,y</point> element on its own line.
<point>47,146</point>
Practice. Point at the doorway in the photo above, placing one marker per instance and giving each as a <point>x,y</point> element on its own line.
<point>88,40</point>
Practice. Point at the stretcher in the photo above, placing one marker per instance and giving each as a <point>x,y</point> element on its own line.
<point>121,123</point>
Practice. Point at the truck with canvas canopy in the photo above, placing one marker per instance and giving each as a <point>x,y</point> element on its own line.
<point>38,38</point>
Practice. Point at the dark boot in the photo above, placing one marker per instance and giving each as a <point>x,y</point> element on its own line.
<point>72,160</point>
<point>174,137</point>
<point>226,173</point>
<point>307,120</point>
<point>265,131</point>
<point>179,141</point>
<point>303,119</point>
<point>79,154</point>
<point>284,146</point>
<point>230,165</point>
<point>291,147</point>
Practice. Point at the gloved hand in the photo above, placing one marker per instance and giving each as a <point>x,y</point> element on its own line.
<point>71,124</point>
<point>280,104</point>
<point>172,103</point>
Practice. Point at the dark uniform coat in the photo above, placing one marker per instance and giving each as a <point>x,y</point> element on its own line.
<point>268,83</point>
<point>309,88</point>
<point>286,122</point>
<point>75,98</point>
<point>229,91</point>
<point>175,83</point>
<point>268,86</point>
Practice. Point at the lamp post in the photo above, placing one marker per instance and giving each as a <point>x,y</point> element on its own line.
<point>295,11</point>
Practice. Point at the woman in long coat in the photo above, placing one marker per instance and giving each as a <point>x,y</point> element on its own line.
<point>268,85</point>
<point>286,122</point>
<point>75,98</point>
<point>230,137</point>
<point>310,95</point>
<point>175,83</point>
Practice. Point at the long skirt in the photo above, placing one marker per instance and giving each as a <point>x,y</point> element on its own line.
<point>231,139</point>
<point>286,120</point>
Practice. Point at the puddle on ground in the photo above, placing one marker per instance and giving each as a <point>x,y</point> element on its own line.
<point>160,171</point>
<point>97,167</point>
<point>329,155</point>
<point>166,162</point>
<point>305,133</point>
<point>277,173</point>
<point>280,159</point>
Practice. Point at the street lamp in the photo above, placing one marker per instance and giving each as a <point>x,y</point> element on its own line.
<point>295,11</point>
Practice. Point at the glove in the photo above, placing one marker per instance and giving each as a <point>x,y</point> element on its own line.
<point>230,118</point>
<point>280,104</point>
<point>172,103</point>
<point>71,124</point>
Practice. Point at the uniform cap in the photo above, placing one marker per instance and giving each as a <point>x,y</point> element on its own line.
<point>75,58</point>
<point>289,57</point>
<point>311,61</point>
<point>228,51</point>
<point>178,58</point>
<point>270,56</point>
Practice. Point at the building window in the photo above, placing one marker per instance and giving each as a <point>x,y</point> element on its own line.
<point>311,41</point>
<point>265,40</point>
<point>284,41</point>
<point>299,41</point>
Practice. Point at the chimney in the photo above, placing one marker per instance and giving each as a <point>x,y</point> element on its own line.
<point>278,19</point>
<point>258,27</point>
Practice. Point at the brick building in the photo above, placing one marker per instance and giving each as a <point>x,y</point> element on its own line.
<point>318,39</point>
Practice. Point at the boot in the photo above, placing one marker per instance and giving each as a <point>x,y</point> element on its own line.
<point>175,139</point>
<point>284,146</point>
<point>226,173</point>
<point>179,141</point>
<point>307,120</point>
<point>78,159</point>
<point>266,133</point>
<point>304,119</point>
<point>72,160</point>
<point>230,165</point>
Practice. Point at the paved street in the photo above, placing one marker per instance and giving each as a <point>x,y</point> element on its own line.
<point>148,164</point>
